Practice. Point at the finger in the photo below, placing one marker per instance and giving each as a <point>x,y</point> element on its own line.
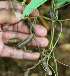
<point>5,4</point>
<point>20,27</point>
<point>7,27</point>
<point>39,30</point>
<point>43,41</point>
<point>34,13</point>
<point>9,17</point>
<point>18,54</point>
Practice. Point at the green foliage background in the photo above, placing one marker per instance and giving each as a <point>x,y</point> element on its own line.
<point>60,2</point>
<point>36,3</point>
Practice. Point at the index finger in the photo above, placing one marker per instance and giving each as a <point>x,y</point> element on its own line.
<point>10,17</point>
<point>18,53</point>
<point>5,4</point>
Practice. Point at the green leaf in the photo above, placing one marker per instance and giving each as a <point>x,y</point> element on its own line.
<point>60,2</point>
<point>31,6</point>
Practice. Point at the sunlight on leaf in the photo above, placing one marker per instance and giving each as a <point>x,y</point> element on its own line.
<point>60,2</point>
<point>31,6</point>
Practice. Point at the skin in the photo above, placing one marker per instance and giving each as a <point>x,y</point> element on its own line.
<point>14,20</point>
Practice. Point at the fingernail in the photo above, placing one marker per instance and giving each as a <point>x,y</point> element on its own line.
<point>19,15</point>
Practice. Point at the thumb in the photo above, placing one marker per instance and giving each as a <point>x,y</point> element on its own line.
<point>9,17</point>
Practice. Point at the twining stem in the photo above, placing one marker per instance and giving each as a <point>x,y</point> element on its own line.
<point>52,36</point>
<point>55,61</point>
<point>52,30</point>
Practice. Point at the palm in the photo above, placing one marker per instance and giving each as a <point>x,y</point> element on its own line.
<point>22,33</point>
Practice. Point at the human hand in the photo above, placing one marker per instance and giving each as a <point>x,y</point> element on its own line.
<point>14,19</point>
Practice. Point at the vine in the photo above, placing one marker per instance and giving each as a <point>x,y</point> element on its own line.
<point>55,4</point>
